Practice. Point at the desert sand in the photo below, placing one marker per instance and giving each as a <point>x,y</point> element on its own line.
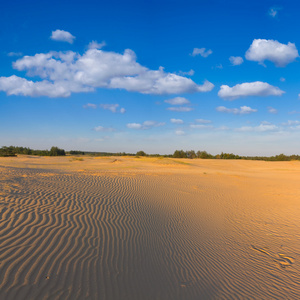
<point>148,228</point>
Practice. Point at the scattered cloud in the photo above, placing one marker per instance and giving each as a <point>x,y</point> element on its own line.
<point>176,121</point>
<point>114,108</point>
<point>280,54</point>
<point>219,66</point>
<point>282,79</point>
<point>96,45</point>
<point>145,125</point>
<point>263,127</point>
<point>243,110</point>
<point>178,101</point>
<point>200,126</point>
<point>62,36</point>
<point>104,129</point>
<point>179,132</point>
<point>291,123</point>
<point>201,51</point>
<point>189,73</point>
<point>203,121</point>
<point>63,73</point>
<point>272,110</point>
<point>236,60</point>
<point>90,105</point>
<point>273,11</point>
<point>14,54</point>
<point>180,109</point>
<point>256,88</point>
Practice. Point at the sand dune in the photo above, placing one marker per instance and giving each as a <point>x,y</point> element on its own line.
<point>148,228</point>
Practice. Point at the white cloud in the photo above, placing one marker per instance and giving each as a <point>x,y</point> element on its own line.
<point>104,129</point>
<point>243,110</point>
<point>122,110</point>
<point>134,125</point>
<point>280,54</point>
<point>291,123</point>
<point>201,51</point>
<point>263,127</point>
<point>178,101</point>
<point>62,36</point>
<point>202,121</point>
<point>272,110</point>
<point>176,121</point>
<point>96,45</point>
<point>179,132</point>
<point>200,126</point>
<point>189,73</point>
<point>112,107</point>
<point>14,54</point>
<point>64,73</point>
<point>180,108</point>
<point>256,88</point>
<point>145,125</point>
<point>236,60</point>
<point>90,105</point>
<point>273,11</point>
<point>282,79</point>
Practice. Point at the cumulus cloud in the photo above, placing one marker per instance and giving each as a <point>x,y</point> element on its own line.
<point>272,110</point>
<point>63,73</point>
<point>263,127</point>
<point>236,60</point>
<point>203,121</point>
<point>280,54</point>
<point>201,51</point>
<point>180,109</point>
<point>145,125</point>
<point>178,101</point>
<point>90,105</point>
<point>62,36</point>
<point>243,110</point>
<point>104,129</point>
<point>256,88</point>
<point>114,108</point>
<point>176,121</point>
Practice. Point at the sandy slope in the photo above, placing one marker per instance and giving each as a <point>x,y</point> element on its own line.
<point>148,228</point>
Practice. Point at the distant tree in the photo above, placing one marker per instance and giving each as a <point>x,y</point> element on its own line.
<point>190,154</point>
<point>141,153</point>
<point>179,154</point>
<point>55,151</point>
<point>7,151</point>
<point>75,152</point>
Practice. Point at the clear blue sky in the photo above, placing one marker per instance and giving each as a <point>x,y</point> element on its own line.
<point>151,75</point>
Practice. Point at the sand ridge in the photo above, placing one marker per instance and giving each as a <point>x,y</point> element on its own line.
<point>148,228</point>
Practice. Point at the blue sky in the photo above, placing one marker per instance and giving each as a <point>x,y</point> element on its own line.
<point>154,76</point>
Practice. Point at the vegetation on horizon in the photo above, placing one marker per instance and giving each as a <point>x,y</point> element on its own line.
<point>12,151</point>
<point>191,154</point>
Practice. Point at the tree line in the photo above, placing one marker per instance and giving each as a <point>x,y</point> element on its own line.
<point>191,154</point>
<point>13,151</point>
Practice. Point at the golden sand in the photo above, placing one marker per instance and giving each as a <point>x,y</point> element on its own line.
<point>148,228</point>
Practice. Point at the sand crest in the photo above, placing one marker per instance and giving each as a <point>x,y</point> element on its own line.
<point>148,228</point>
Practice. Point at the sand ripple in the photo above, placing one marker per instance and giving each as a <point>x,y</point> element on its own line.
<point>107,236</point>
